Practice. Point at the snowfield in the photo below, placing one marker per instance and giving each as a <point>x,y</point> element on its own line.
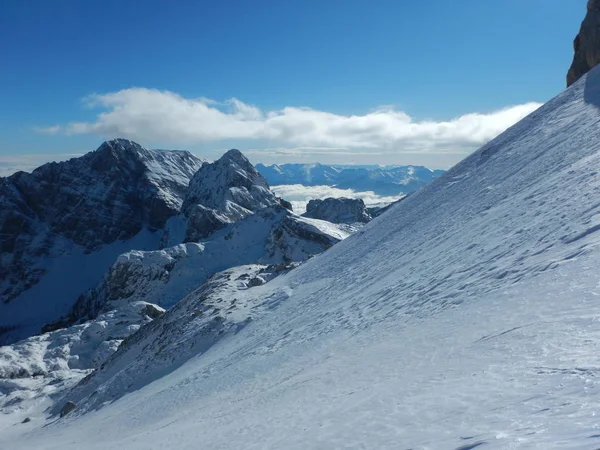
<point>467,315</point>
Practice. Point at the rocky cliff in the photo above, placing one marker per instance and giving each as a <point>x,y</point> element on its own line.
<point>338,210</point>
<point>586,44</point>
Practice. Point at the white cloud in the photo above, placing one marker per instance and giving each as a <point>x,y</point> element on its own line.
<point>150,115</point>
<point>48,130</point>
<point>299,195</point>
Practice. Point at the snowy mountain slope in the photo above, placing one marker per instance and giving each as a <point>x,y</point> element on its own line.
<point>270,236</point>
<point>218,307</point>
<point>466,315</point>
<point>41,367</point>
<point>388,180</point>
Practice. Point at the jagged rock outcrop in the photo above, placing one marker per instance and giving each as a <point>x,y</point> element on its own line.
<point>338,210</point>
<point>224,192</point>
<point>76,208</point>
<point>586,44</point>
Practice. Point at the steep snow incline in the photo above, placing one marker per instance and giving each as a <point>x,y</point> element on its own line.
<point>222,305</point>
<point>466,315</point>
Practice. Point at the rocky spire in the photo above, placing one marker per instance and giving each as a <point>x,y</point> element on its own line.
<point>586,44</point>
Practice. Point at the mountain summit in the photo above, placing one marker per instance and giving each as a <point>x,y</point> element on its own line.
<point>53,219</point>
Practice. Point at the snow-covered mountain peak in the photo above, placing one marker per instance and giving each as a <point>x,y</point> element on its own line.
<point>53,218</point>
<point>237,157</point>
<point>222,192</point>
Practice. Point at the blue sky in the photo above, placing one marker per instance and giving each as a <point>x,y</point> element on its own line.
<point>329,80</point>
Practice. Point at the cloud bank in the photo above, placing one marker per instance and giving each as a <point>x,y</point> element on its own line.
<point>299,195</point>
<point>151,115</point>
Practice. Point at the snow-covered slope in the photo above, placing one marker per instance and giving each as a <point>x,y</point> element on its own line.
<point>41,367</point>
<point>270,236</point>
<point>467,315</point>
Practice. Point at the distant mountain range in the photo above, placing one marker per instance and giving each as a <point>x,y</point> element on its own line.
<point>383,180</point>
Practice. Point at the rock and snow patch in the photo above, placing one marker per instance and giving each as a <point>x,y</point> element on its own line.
<point>219,307</point>
<point>223,192</point>
<point>270,236</point>
<point>43,366</point>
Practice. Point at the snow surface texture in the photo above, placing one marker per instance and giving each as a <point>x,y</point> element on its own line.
<point>465,316</point>
<point>193,325</point>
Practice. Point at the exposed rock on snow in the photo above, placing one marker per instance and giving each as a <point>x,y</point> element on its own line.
<point>67,408</point>
<point>586,44</point>
<point>338,210</point>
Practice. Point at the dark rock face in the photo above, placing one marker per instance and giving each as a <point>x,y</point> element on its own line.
<point>67,408</point>
<point>104,196</point>
<point>224,192</point>
<point>338,210</point>
<point>586,44</point>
